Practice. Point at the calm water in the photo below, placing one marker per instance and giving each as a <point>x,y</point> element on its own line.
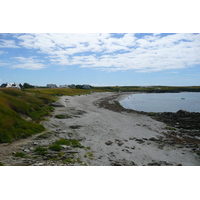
<point>163,102</point>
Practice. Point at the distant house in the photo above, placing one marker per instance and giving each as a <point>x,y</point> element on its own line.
<point>51,86</point>
<point>86,87</point>
<point>72,86</point>
<point>12,85</point>
<point>63,86</point>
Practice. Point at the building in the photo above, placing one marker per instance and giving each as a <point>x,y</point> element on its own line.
<point>72,86</point>
<point>12,85</point>
<point>51,86</point>
<point>63,86</point>
<point>86,87</point>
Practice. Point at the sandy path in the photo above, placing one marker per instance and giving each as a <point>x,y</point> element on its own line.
<point>126,134</point>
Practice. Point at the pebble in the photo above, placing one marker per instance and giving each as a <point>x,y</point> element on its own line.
<point>108,142</point>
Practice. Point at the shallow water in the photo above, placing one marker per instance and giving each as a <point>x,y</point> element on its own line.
<point>163,102</point>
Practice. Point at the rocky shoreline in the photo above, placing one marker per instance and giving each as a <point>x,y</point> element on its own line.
<point>183,128</point>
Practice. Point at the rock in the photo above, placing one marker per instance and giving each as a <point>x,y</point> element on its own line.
<point>140,141</point>
<point>64,146</point>
<point>108,143</point>
<point>119,142</point>
<point>122,162</point>
<point>26,150</point>
<point>56,104</point>
<point>38,164</point>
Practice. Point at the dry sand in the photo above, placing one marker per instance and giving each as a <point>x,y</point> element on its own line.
<point>116,138</point>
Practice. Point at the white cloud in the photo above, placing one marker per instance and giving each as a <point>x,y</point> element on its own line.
<point>2,52</point>
<point>28,63</point>
<point>7,44</point>
<point>111,52</point>
<point>3,64</point>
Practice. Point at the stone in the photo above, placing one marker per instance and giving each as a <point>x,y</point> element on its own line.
<point>119,142</point>
<point>108,142</point>
<point>26,150</point>
<point>64,146</point>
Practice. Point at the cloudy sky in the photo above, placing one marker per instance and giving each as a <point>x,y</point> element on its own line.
<point>100,58</point>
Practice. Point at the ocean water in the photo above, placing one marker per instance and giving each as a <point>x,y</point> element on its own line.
<point>163,102</point>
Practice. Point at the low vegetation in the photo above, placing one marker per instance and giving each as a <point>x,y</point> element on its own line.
<point>40,151</point>
<point>73,143</point>
<point>55,147</point>
<point>20,154</point>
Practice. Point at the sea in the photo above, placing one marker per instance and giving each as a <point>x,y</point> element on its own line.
<point>163,102</point>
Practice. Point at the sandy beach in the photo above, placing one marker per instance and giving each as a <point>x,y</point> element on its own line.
<point>109,138</point>
<point>116,138</point>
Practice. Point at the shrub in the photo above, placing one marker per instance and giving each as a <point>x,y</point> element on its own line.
<point>55,147</point>
<point>20,154</point>
<point>40,151</point>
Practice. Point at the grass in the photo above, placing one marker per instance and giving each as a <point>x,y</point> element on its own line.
<point>44,135</point>
<point>73,143</point>
<point>55,147</point>
<point>89,155</point>
<point>14,104</point>
<point>40,151</point>
<point>20,155</point>
<point>170,128</point>
<point>69,160</point>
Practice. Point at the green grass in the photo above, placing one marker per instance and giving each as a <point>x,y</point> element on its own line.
<point>170,128</point>
<point>20,154</point>
<point>73,143</point>
<point>44,135</point>
<point>40,151</point>
<point>15,106</point>
<point>55,147</point>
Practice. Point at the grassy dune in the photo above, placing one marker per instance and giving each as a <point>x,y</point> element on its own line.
<point>15,107</point>
<point>18,105</point>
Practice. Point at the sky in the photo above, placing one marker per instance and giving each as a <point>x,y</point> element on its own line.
<point>100,59</point>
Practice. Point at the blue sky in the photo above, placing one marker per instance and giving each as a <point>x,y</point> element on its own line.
<point>100,59</point>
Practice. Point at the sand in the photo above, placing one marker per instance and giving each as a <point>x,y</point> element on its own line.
<point>115,138</point>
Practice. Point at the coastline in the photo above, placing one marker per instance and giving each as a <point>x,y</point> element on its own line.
<point>110,134</point>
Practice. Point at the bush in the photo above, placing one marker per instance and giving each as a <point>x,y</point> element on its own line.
<point>20,154</point>
<point>55,147</point>
<point>40,151</point>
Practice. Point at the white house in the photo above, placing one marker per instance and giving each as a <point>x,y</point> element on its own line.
<point>51,86</point>
<point>63,86</point>
<point>11,85</point>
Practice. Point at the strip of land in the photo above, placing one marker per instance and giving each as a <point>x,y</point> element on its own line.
<point>105,135</point>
